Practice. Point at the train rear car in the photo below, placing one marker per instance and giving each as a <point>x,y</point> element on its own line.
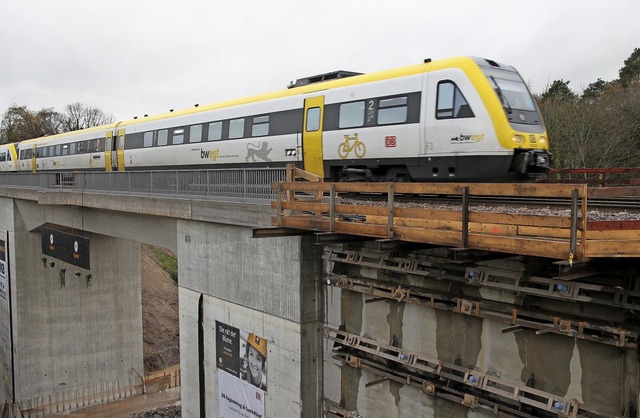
<point>8,157</point>
<point>87,149</point>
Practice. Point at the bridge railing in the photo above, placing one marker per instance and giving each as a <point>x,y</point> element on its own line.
<point>229,184</point>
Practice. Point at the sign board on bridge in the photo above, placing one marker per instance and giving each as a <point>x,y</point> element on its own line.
<point>69,248</point>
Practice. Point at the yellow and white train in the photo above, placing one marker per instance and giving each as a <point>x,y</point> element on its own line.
<point>458,119</point>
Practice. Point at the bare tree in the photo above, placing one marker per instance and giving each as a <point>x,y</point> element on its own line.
<point>79,116</point>
<point>19,123</point>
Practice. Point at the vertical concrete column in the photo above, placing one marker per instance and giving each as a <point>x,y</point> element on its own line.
<point>6,340</point>
<point>77,333</point>
<point>267,288</point>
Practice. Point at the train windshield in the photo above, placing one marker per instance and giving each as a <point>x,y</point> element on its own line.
<point>511,90</point>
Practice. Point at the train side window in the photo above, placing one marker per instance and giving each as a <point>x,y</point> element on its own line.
<point>451,102</point>
<point>148,139</point>
<point>72,149</point>
<point>65,150</point>
<point>195,133</point>
<point>313,119</point>
<point>215,131</point>
<point>163,136</point>
<point>178,136</point>
<point>393,110</point>
<point>351,115</point>
<point>236,128</point>
<point>3,157</point>
<point>57,150</point>
<point>99,144</point>
<point>80,147</point>
<point>260,126</point>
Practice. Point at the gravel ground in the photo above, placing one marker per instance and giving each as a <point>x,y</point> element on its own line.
<point>168,412</point>
<point>592,215</point>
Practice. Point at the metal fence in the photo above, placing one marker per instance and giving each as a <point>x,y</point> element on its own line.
<point>231,184</point>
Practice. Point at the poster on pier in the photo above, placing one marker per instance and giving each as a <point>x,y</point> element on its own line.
<point>3,270</point>
<point>241,360</point>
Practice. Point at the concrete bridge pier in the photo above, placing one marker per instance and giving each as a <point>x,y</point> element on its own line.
<point>69,337</point>
<point>237,287</point>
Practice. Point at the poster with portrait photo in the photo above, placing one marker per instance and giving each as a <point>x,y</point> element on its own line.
<point>253,353</point>
<point>241,359</point>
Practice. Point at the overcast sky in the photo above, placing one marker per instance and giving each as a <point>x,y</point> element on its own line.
<point>136,57</point>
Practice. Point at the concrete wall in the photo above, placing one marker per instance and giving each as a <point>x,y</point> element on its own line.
<point>6,376</point>
<point>270,287</point>
<point>71,338</point>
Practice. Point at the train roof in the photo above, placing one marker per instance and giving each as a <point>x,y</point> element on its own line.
<point>93,129</point>
<point>310,87</point>
<point>302,86</point>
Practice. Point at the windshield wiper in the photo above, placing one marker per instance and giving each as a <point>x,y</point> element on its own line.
<point>503,98</point>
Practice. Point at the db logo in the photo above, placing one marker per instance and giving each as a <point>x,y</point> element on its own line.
<point>390,141</point>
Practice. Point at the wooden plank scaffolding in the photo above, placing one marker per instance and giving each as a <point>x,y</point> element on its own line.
<point>315,205</point>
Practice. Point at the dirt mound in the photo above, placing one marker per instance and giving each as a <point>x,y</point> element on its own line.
<point>160,323</point>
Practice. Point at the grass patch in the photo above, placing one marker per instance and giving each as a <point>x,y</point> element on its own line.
<point>167,261</point>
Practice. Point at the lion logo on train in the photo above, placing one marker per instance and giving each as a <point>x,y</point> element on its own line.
<point>260,150</point>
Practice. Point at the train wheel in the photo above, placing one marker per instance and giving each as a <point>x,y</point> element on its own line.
<point>397,175</point>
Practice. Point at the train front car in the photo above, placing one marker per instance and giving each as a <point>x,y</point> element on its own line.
<point>457,119</point>
<point>517,120</point>
<point>481,124</point>
<point>8,157</point>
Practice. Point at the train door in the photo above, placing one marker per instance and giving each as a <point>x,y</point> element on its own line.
<point>120,149</point>
<point>33,158</point>
<point>108,146</point>
<point>312,135</point>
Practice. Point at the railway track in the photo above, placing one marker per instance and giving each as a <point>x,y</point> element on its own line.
<point>609,208</point>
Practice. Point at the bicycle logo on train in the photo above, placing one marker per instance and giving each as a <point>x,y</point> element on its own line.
<point>351,143</point>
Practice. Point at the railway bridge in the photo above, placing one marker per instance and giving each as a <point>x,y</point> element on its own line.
<point>375,310</point>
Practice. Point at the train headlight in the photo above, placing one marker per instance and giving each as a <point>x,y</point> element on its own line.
<point>543,141</point>
<point>518,139</point>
